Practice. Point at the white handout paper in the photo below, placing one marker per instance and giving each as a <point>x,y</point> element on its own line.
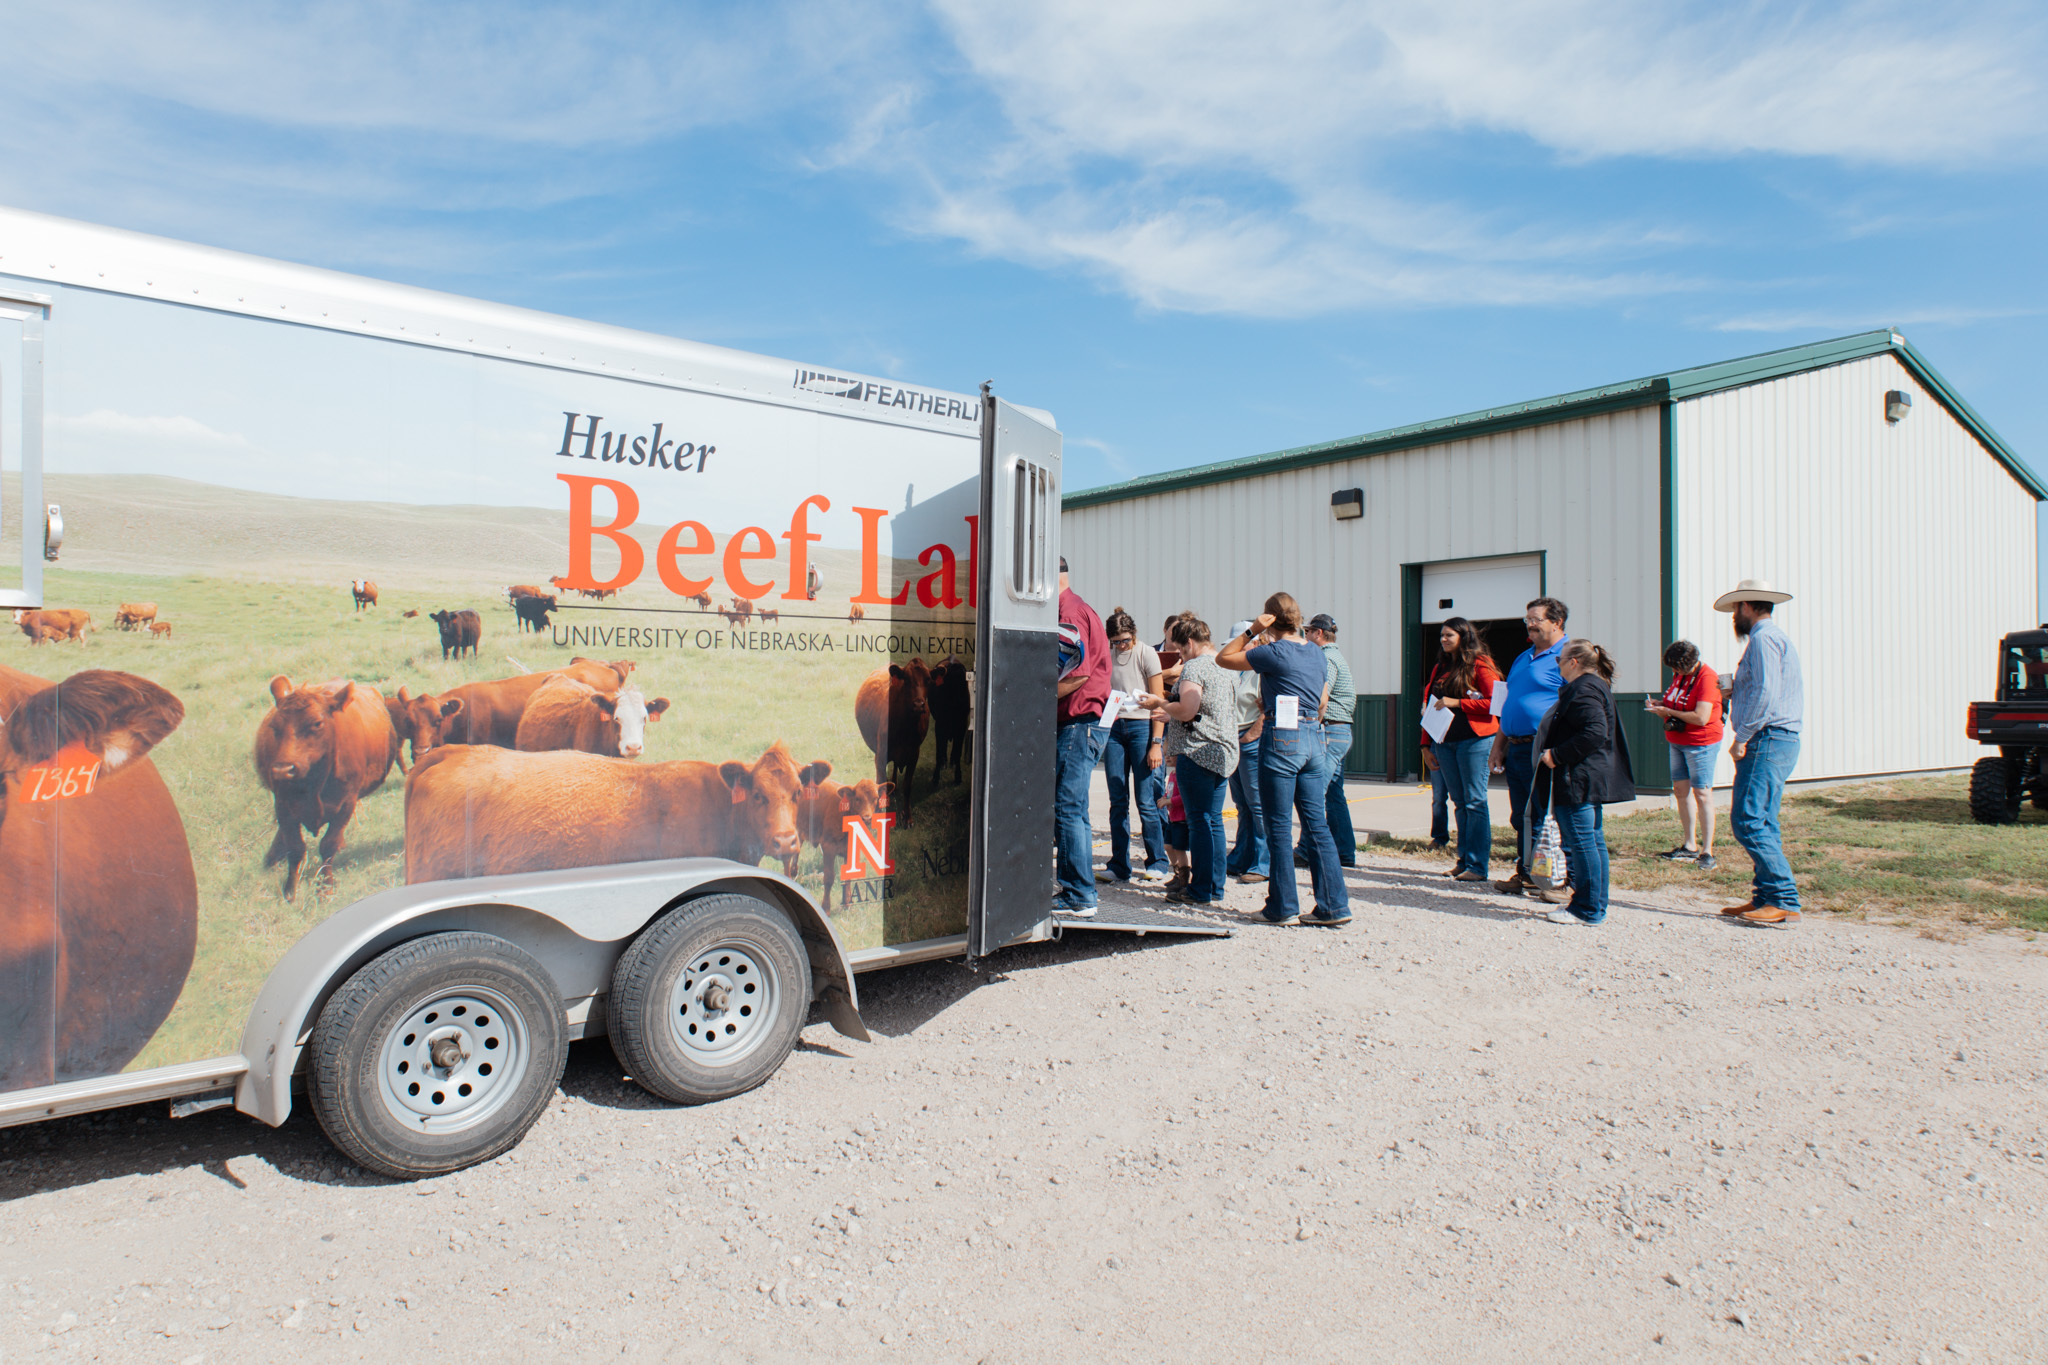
<point>1500,699</point>
<point>1436,722</point>
<point>1287,712</point>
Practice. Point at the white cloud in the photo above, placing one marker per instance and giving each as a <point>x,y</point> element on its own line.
<point>106,424</point>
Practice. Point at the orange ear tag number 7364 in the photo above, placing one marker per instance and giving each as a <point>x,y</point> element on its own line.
<point>71,771</point>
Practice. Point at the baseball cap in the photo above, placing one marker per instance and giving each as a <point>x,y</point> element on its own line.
<point>1240,628</point>
<point>1324,621</point>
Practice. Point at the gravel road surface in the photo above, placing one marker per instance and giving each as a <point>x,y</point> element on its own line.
<point>1448,1132</point>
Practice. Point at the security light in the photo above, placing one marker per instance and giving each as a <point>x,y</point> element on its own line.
<point>1347,503</point>
<point>1897,403</point>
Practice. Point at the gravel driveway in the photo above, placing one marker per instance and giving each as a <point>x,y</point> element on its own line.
<point>1448,1132</point>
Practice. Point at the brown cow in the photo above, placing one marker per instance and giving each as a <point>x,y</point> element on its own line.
<point>477,811</point>
<point>703,600</point>
<point>519,590</point>
<point>415,611</point>
<point>133,614</point>
<point>822,809</point>
<point>99,907</point>
<point>365,593</point>
<point>566,714</point>
<point>53,623</point>
<point>460,630</point>
<point>893,710</point>
<point>489,712</point>
<point>321,749</point>
<point>855,613</point>
<point>160,630</point>
<point>771,613</point>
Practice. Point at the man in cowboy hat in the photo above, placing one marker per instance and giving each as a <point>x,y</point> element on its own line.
<point>1765,707</point>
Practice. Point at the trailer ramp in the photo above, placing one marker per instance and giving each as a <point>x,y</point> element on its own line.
<point>1122,919</point>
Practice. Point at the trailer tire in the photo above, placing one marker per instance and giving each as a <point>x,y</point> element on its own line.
<point>709,1000</point>
<point>1995,791</point>
<point>437,1054</point>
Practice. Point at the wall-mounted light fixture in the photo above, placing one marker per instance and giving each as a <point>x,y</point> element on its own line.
<point>1897,403</point>
<point>1347,504</point>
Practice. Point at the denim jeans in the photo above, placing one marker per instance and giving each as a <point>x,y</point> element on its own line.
<point>1439,804</point>
<point>1129,741</point>
<point>1464,764</point>
<point>1292,779</point>
<point>1584,834</point>
<point>1201,795</point>
<point>1519,760</point>
<point>1080,749</point>
<point>1248,854</point>
<point>1336,801</point>
<point>1759,786</point>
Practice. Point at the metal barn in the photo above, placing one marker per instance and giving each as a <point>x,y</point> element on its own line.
<point>1846,472</point>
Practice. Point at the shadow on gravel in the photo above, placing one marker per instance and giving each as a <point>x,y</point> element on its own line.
<point>1421,891</point>
<point>140,1140</point>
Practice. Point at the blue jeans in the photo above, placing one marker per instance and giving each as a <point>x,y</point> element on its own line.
<point>1080,749</point>
<point>1129,741</point>
<point>1584,833</point>
<point>1336,801</point>
<point>1519,761</point>
<point>1291,779</point>
<point>1201,795</point>
<point>1759,786</point>
<point>1465,777</point>
<point>1248,854</point>
<point>1439,804</point>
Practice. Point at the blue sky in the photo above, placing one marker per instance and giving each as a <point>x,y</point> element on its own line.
<point>1192,230</point>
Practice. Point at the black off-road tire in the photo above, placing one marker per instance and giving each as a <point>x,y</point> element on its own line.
<point>710,999</point>
<point>1995,790</point>
<point>377,1079</point>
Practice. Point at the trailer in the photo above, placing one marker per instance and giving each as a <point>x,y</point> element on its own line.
<point>508,680</point>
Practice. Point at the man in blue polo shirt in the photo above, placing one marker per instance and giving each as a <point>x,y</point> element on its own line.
<point>1533,681</point>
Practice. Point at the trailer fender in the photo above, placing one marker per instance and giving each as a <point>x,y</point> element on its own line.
<point>576,922</point>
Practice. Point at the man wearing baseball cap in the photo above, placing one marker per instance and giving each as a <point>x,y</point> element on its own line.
<point>1766,706</point>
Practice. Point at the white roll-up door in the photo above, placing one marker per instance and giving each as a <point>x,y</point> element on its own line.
<point>1480,589</point>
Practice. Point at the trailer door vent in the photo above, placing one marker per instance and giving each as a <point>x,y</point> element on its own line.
<point>1032,509</point>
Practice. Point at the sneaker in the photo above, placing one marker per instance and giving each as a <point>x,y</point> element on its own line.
<point>1563,916</point>
<point>1515,885</point>
<point>1559,896</point>
<point>1148,877</point>
<point>1333,922</point>
<point>1294,918</point>
<point>1468,875</point>
<point>1251,879</point>
<point>1681,854</point>
<point>1103,878</point>
<point>1773,916</point>
<point>1073,911</point>
<point>1707,863</point>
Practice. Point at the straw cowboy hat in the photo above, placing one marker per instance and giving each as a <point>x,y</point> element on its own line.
<point>1750,590</point>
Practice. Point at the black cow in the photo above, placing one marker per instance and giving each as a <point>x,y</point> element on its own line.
<point>533,612</point>
<point>460,630</point>
<point>951,707</point>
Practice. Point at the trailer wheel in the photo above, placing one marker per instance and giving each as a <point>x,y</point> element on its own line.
<point>1995,791</point>
<point>710,999</point>
<point>437,1055</point>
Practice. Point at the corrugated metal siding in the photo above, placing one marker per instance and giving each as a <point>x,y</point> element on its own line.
<point>1910,551</point>
<point>1585,491</point>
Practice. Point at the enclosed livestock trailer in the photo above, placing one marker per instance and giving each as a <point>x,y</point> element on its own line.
<point>533,679</point>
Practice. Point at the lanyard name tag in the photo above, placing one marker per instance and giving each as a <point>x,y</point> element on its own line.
<point>1287,712</point>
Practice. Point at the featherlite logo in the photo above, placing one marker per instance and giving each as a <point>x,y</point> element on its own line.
<point>880,395</point>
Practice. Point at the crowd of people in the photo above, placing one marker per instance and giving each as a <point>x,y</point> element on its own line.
<point>1263,719</point>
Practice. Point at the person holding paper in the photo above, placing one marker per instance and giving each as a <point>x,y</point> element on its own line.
<point>1136,754</point>
<point>1458,720</point>
<point>1691,712</point>
<point>1293,762</point>
<point>1083,691</point>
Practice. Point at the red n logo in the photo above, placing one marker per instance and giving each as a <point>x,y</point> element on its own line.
<point>867,846</point>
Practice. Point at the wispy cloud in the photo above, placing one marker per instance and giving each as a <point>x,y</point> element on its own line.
<point>1841,320</point>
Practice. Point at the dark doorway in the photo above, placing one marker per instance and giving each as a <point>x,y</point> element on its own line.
<point>1505,641</point>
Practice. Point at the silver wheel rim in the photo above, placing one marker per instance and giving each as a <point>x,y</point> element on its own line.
<point>723,1003</point>
<point>454,1061</point>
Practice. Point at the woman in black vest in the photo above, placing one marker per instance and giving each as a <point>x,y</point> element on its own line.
<point>1586,760</point>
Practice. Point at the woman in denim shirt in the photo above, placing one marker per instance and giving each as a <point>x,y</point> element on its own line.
<point>1293,767</point>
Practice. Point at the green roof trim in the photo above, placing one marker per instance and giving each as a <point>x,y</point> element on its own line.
<point>1662,388</point>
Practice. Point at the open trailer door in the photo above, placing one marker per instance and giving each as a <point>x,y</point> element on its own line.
<point>1016,672</point>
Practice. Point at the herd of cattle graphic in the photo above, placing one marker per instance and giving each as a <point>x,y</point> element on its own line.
<point>98,873</point>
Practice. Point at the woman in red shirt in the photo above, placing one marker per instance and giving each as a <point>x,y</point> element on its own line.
<point>1462,682</point>
<point>1691,711</point>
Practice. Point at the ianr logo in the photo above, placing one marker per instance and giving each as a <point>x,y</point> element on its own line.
<point>867,846</point>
